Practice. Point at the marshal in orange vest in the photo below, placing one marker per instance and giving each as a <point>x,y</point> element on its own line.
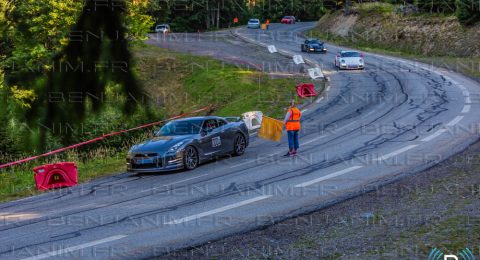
<point>293,122</point>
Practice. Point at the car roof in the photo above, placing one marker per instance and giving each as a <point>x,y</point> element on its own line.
<point>198,118</point>
<point>348,51</point>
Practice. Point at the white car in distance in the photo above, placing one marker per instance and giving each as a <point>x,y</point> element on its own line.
<point>349,60</point>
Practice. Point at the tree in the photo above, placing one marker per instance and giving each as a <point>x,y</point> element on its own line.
<point>46,43</point>
<point>468,11</point>
<point>436,6</point>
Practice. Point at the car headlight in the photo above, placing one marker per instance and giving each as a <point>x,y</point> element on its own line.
<point>361,61</point>
<point>129,155</point>
<point>175,147</point>
<point>342,61</point>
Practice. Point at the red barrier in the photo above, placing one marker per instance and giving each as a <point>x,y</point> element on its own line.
<point>57,175</point>
<point>306,90</point>
<point>100,138</point>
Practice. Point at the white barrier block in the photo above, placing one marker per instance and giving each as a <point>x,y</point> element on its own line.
<point>272,48</point>
<point>298,59</point>
<point>315,73</point>
<point>253,119</point>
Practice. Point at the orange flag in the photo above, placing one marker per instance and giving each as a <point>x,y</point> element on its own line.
<point>271,129</point>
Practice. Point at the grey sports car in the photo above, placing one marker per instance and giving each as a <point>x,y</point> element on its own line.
<point>185,143</point>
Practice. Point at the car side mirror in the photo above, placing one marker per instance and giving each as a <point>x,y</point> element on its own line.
<point>362,55</point>
<point>338,55</point>
<point>203,132</point>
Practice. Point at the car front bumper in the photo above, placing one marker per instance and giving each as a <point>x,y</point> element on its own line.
<point>317,50</point>
<point>351,66</point>
<point>155,164</point>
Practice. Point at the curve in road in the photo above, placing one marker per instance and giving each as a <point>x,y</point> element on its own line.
<point>394,118</point>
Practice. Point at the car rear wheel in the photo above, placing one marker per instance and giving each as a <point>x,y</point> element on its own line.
<point>239,145</point>
<point>190,158</point>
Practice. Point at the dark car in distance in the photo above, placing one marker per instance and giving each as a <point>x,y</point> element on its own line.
<point>313,45</point>
<point>186,143</point>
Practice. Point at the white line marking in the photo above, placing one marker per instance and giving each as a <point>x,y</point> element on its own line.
<point>75,248</point>
<point>466,93</point>
<point>455,121</point>
<point>177,182</point>
<point>253,134</point>
<point>466,109</point>
<point>318,100</point>
<point>218,210</point>
<point>399,151</point>
<point>434,135</point>
<point>328,176</point>
<point>314,139</point>
<point>303,111</point>
<point>328,88</point>
<point>345,126</point>
<point>468,100</point>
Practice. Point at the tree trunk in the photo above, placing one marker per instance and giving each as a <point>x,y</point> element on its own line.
<point>218,15</point>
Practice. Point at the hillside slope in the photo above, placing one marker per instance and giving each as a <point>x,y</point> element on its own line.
<point>416,34</point>
<point>375,27</point>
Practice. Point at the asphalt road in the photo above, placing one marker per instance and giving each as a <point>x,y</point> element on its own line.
<point>372,127</point>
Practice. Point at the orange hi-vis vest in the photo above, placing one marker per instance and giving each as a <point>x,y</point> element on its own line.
<point>293,123</point>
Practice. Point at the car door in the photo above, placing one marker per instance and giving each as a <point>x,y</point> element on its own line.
<point>211,141</point>
<point>226,136</point>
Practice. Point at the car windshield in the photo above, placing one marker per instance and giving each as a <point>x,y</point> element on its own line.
<point>350,54</point>
<point>253,21</point>
<point>287,17</point>
<point>189,127</point>
<point>315,42</point>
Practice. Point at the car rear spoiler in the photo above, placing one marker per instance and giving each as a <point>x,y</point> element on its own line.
<point>233,118</point>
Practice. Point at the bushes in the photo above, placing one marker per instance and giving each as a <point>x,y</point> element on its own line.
<point>468,11</point>
<point>436,6</point>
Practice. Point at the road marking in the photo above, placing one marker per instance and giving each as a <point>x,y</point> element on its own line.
<point>455,121</point>
<point>399,151</point>
<point>318,100</point>
<point>345,126</point>
<point>218,210</point>
<point>328,176</point>
<point>177,182</point>
<point>328,88</point>
<point>75,248</point>
<point>468,100</point>
<point>466,109</point>
<point>314,139</point>
<point>434,135</point>
<point>303,111</point>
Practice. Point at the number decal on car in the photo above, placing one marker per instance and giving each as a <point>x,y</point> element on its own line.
<point>216,141</point>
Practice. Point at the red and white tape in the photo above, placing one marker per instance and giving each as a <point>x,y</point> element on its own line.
<point>100,138</point>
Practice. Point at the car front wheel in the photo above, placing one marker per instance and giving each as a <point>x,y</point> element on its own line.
<point>239,145</point>
<point>190,158</point>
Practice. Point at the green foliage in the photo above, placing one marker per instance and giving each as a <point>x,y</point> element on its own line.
<point>51,46</point>
<point>376,7</point>
<point>301,9</point>
<point>468,11</point>
<point>436,6</point>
